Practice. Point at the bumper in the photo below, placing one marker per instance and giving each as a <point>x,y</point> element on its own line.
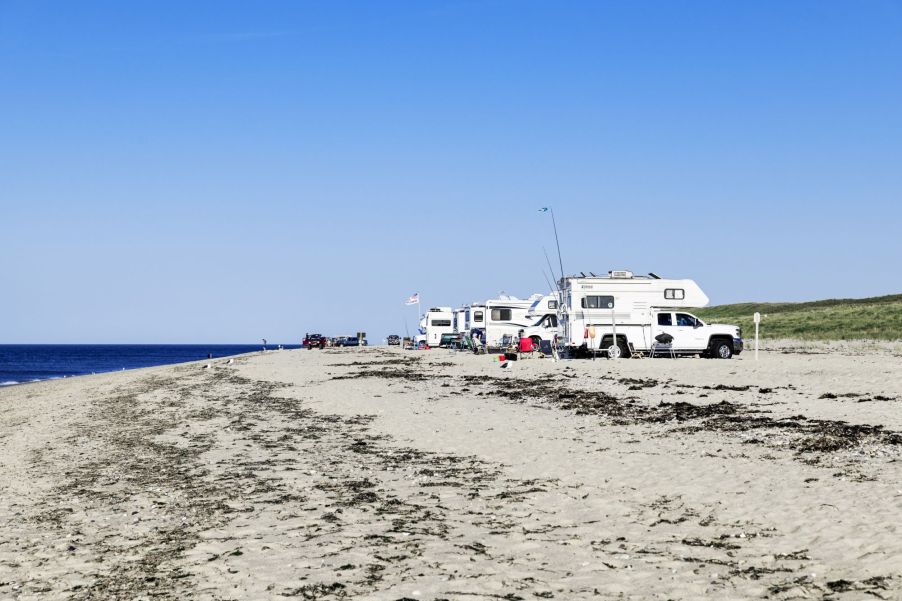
<point>737,346</point>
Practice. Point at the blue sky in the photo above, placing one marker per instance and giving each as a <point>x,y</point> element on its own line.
<point>226,171</point>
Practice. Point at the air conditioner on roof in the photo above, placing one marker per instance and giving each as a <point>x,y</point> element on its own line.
<point>621,275</point>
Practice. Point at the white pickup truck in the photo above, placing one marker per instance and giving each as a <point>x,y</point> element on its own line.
<point>688,335</point>
<point>693,336</point>
<point>642,312</point>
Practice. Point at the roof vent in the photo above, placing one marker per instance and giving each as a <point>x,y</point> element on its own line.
<point>621,275</point>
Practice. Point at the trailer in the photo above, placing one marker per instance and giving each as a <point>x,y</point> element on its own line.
<point>434,323</point>
<point>460,321</point>
<point>497,318</point>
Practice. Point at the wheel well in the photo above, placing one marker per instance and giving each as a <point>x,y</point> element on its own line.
<point>606,340</point>
<point>719,338</point>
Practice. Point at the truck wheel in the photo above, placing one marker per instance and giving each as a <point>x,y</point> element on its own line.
<point>721,349</point>
<point>624,349</point>
<point>620,351</point>
<point>537,341</point>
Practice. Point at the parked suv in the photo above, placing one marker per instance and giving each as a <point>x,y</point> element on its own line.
<point>394,340</point>
<point>314,341</point>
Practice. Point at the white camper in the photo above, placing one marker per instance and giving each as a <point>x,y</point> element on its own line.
<point>434,323</point>
<point>460,321</point>
<point>500,317</point>
<point>543,317</point>
<point>634,310</point>
<point>474,319</point>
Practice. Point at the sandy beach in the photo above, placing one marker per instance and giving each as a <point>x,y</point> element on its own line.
<point>381,474</point>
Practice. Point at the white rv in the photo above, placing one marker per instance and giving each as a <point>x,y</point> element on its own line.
<point>543,315</point>
<point>500,317</point>
<point>634,310</point>
<point>434,323</point>
<point>474,319</point>
<point>460,321</point>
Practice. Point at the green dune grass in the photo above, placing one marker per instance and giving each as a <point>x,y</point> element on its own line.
<point>877,318</point>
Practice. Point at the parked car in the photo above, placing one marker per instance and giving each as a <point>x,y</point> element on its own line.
<point>314,341</point>
<point>353,341</point>
<point>394,340</point>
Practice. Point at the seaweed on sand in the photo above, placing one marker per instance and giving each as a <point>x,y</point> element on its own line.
<point>803,435</point>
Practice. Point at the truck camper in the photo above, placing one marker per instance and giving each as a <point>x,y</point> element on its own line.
<point>460,320</point>
<point>500,317</point>
<point>543,318</point>
<point>624,314</point>
<point>474,323</point>
<point>434,323</point>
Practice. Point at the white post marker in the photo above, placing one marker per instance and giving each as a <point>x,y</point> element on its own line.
<point>757,321</point>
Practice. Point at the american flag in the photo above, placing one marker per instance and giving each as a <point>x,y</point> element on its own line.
<point>413,300</point>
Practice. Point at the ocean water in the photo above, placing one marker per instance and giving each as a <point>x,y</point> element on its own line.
<point>20,363</point>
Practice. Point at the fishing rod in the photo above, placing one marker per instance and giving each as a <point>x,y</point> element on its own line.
<point>547,281</point>
<point>551,269</point>
<point>556,241</point>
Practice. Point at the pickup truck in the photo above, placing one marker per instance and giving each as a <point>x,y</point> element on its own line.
<point>686,333</point>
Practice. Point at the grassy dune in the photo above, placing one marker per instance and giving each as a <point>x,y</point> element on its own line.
<point>877,318</point>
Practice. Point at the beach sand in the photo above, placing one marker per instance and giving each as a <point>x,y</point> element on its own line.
<point>382,474</point>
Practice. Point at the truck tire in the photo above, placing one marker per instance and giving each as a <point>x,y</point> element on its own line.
<point>537,341</point>
<point>721,349</point>
<point>623,350</point>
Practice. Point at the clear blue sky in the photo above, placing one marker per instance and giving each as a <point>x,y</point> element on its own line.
<point>226,171</point>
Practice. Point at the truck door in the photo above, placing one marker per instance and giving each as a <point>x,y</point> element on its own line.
<point>689,336</point>
<point>665,326</point>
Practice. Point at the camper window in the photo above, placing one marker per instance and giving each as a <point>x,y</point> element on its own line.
<point>552,304</point>
<point>674,293</point>
<point>664,319</point>
<point>477,316</point>
<point>598,302</point>
<point>502,314</point>
<point>684,320</point>
<point>441,323</point>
